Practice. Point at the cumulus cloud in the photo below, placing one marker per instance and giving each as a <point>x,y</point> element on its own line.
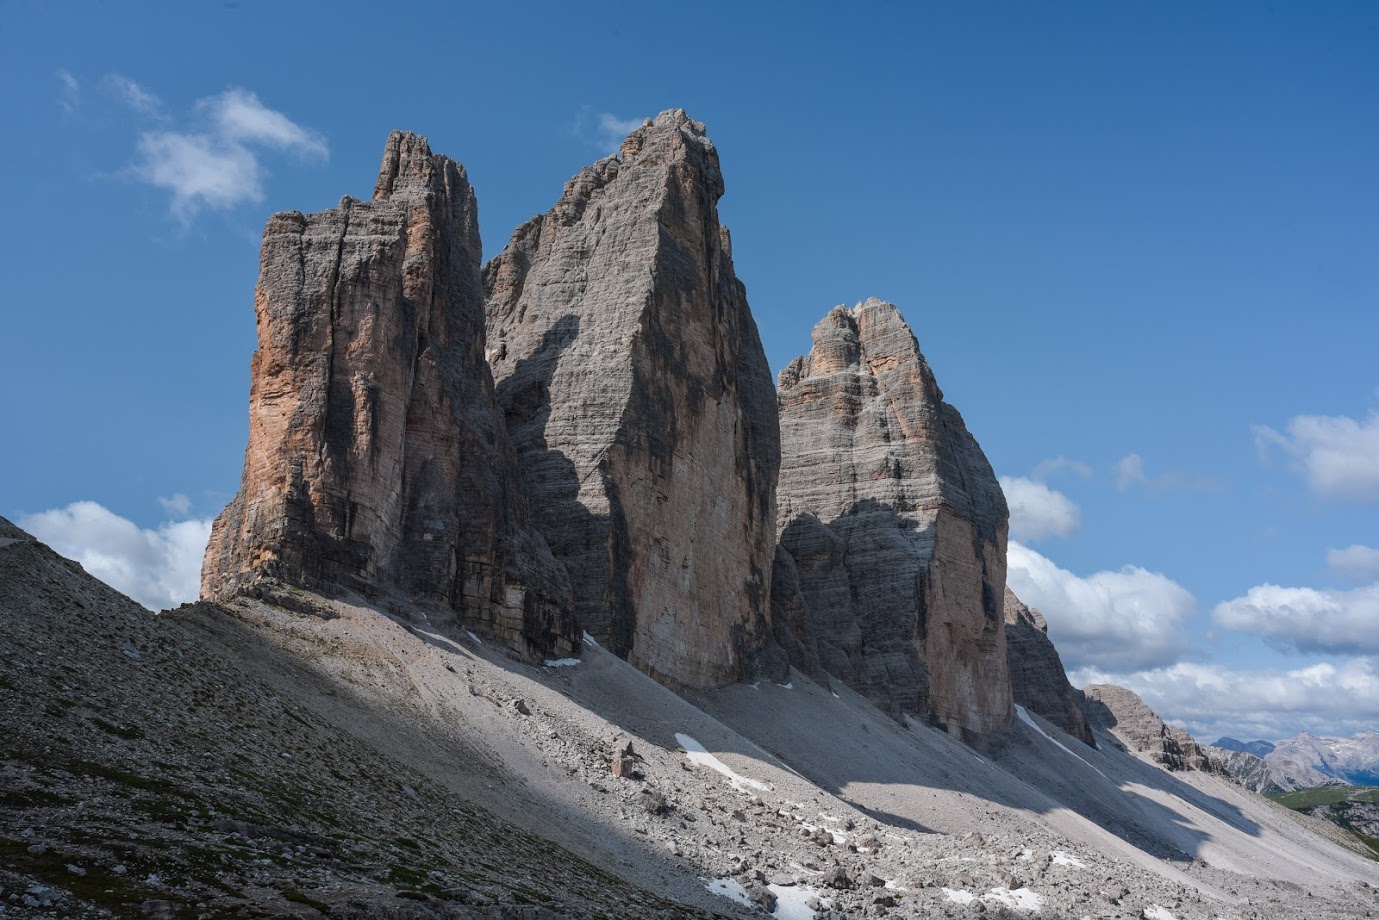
<point>1338,456</point>
<point>1355,562</point>
<point>1307,619</point>
<point>1036,511</point>
<point>1124,620</point>
<point>219,163</point>
<point>1329,698</point>
<point>159,568</point>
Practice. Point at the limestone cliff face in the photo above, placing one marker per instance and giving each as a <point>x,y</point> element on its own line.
<point>895,524</point>
<point>1037,679</point>
<point>377,458</point>
<point>640,401</point>
<point>1122,712</point>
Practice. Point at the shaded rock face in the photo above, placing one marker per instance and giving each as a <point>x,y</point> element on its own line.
<point>1122,712</point>
<point>639,399</point>
<point>1037,679</point>
<point>895,525</point>
<point>377,458</point>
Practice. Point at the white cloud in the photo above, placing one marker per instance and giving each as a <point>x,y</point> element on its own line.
<point>1307,619</point>
<point>1211,700</point>
<point>1338,456</point>
<point>1048,467</point>
<point>1356,563</point>
<point>133,95</point>
<point>1130,473</point>
<point>242,118</point>
<point>1124,620</point>
<point>218,165</point>
<point>71,91</point>
<point>1037,511</point>
<point>158,568</point>
<point>613,130</point>
<point>176,503</point>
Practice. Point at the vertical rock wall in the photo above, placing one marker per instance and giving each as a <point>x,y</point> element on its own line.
<point>1037,679</point>
<point>895,524</point>
<point>377,458</point>
<point>639,399</point>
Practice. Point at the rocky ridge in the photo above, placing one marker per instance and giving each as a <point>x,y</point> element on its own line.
<point>636,390</point>
<point>377,460</point>
<point>1123,713</point>
<point>1037,679</point>
<point>895,528</point>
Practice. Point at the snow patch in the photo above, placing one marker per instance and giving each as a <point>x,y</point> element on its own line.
<point>1024,717</point>
<point>561,662</point>
<point>787,686</point>
<point>1067,859</point>
<point>477,640</point>
<point>698,754</point>
<point>1019,899</point>
<point>728,888</point>
<point>1155,912</point>
<point>792,902</point>
<point>589,640</point>
<point>959,897</point>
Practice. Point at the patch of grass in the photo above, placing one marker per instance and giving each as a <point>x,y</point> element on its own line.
<point>296,897</point>
<point>1326,795</point>
<point>412,895</point>
<point>30,798</point>
<point>405,875</point>
<point>122,777</point>
<point>408,842</point>
<point>128,732</point>
<point>50,868</point>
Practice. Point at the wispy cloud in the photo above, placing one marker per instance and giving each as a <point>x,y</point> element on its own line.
<point>159,568</point>
<point>133,95</point>
<point>1337,455</point>
<point>176,503</point>
<point>603,130</point>
<point>1130,474</point>
<point>1048,468</point>
<point>69,93</point>
<point>216,160</point>
<point>1036,511</point>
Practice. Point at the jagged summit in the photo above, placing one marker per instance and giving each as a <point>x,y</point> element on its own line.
<point>637,393</point>
<point>895,524</point>
<point>377,461</point>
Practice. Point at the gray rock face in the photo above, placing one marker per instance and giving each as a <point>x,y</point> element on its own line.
<point>1037,679</point>
<point>640,401</point>
<point>1249,770</point>
<point>1122,712</point>
<point>377,458</point>
<point>895,525</point>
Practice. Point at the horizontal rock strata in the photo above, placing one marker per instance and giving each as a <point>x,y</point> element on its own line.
<point>1037,679</point>
<point>639,398</point>
<point>895,524</point>
<point>1123,713</point>
<point>377,458</point>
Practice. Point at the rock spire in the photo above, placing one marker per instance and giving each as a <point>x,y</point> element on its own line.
<point>638,396</point>
<point>896,527</point>
<point>377,459</point>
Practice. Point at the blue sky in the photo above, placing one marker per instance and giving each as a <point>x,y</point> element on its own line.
<point>1137,244</point>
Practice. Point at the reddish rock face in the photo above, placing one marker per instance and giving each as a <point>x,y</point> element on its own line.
<point>1037,679</point>
<point>1122,712</point>
<point>377,459</point>
<point>896,527</point>
<point>640,401</point>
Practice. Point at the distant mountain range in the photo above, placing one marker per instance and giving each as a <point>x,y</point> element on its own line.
<point>1302,762</point>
